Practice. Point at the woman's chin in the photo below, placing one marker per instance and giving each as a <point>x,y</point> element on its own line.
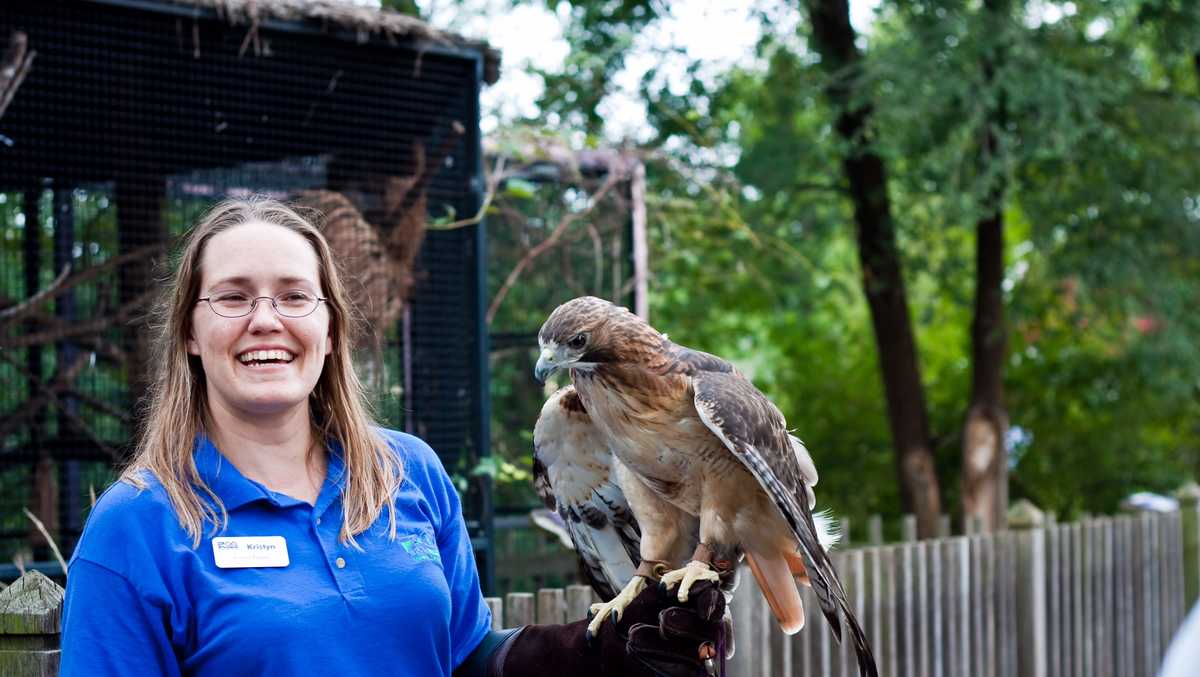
<point>272,402</point>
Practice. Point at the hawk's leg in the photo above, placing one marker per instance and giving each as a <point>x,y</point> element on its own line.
<point>708,564</point>
<point>647,571</point>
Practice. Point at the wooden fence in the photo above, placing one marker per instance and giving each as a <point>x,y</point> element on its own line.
<point>1096,598</point>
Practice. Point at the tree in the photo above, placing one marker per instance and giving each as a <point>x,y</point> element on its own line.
<point>882,275</point>
<point>984,481</point>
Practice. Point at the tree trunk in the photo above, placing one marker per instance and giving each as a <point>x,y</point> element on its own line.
<point>883,279</point>
<point>984,457</point>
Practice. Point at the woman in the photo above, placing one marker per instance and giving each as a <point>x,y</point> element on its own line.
<point>264,526</point>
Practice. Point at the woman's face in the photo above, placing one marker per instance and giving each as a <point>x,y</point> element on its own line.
<point>259,259</point>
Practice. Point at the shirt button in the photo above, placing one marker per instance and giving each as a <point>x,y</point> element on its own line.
<point>341,563</point>
<point>318,520</point>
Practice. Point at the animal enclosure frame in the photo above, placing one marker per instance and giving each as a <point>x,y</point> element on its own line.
<point>132,118</point>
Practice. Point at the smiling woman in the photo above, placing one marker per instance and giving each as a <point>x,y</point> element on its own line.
<point>263,509</point>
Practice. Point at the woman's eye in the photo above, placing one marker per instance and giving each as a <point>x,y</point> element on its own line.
<point>293,297</point>
<point>230,297</point>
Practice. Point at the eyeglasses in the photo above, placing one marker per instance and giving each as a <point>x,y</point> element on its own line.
<point>287,304</point>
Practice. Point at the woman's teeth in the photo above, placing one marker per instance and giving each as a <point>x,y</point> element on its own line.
<point>255,356</point>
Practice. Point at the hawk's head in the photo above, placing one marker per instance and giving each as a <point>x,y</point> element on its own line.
<point>586,333</point>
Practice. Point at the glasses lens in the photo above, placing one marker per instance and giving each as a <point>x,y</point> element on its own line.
<point>231,304</point>
<point>295,303</point>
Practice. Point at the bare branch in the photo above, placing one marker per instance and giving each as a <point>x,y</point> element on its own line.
<point>68,330</point>
<point>8,316</point>
<point>17,62</point>
<point>611,180</point>
<point>24,306</point>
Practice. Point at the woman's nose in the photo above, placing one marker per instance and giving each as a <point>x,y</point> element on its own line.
<point>263,316</point>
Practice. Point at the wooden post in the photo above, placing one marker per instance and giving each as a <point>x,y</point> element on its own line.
<point>579,602</point>
<point>1189,510</point>
<point>518,609</point>
<point>908,528</point>
<point>875,530</point>
<point>1026,520</point>
<point>497,607</point>
<point>30,626</point>
<point>551,606</point>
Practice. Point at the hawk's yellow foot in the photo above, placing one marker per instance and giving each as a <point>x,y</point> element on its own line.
<point>617,606</point>
<point>688,575</point>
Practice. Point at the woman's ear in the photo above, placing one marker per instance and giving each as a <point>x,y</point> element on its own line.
<point>193,348</point>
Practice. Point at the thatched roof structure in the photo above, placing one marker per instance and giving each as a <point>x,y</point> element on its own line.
<point>364,22</point>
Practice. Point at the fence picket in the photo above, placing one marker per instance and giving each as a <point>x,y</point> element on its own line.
<point>551,606</point>
<point>921,607</point>
<point>1054,644</point>
<point>1131,580</point>
<point>579,602</point>
<point>518,609</point>
<point>936,616</point>
<point>496,606</point>
<point>874,599</point>
<point>1124,605</point>
<point>1180,584</point>
<point>1142,587</point>
<point>1165,579</point>
<point>1108,590</point>
<point>977,635</point>
<point>875,530</point>
<point>1087,583</point>
<point>965,586</point>
<point>1153,581</point>
<point>891,615</point>
<point>907,621</point>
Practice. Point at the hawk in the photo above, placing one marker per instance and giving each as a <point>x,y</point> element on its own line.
<point>703,459</point>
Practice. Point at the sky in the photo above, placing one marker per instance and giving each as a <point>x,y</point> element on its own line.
<point>718,33</point>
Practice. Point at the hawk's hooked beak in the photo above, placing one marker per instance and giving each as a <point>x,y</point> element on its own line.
<point>548,363</point>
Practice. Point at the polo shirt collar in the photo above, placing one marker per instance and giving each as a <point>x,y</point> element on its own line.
<point>235,489</point>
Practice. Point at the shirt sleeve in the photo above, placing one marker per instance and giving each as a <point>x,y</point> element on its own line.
<point>470,617</point>
<point>110,629</point>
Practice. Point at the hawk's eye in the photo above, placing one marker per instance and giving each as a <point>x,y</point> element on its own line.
<point>577,342</point>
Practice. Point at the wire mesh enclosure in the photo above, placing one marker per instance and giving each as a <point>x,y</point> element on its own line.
<point>132,118</point>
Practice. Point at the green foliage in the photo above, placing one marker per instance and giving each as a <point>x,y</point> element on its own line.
<point>753,254</point>
<point>600,34</point>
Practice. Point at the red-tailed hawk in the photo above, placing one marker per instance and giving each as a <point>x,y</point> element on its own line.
<point>703,458</point>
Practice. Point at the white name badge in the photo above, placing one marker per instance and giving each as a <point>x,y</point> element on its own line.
<point>241,552</point>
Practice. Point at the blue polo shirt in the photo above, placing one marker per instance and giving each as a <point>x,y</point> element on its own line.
<point>141,600</point>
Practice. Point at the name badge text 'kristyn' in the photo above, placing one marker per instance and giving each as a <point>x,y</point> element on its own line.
<point>241,552</point>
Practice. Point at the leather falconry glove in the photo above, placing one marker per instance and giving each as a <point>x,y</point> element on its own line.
<point>657,636</point>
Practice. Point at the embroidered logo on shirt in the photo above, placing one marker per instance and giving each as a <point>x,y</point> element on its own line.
<point>420,547</point>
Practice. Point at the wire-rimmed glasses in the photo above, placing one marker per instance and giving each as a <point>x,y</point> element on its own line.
<point>294,303</point>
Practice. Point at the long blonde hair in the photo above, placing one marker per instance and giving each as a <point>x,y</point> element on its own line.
<point>177,403</point>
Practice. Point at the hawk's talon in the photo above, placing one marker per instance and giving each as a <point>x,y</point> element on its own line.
<point>616,607</point>
<point>687,576</point>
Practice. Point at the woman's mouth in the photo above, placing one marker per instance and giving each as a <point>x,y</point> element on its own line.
<point>265,358</point>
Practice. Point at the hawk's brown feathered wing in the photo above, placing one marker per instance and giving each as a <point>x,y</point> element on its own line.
<point>755,431</point>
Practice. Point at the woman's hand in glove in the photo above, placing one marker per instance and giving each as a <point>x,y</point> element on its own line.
<point>656,636</point>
